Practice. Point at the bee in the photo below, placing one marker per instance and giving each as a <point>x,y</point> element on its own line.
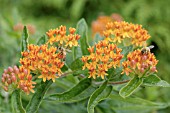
<point>146,50</point>
<point>62,53</point>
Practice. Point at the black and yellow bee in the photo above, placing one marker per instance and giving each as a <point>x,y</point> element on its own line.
<point>146,50</point>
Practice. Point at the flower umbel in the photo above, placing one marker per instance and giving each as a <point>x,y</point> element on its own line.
<point>60,37</point>
<point>140,64</point>
<point>123,30</point>
<point>17,78</point>
<point>103,56</point>
<point>43,60</point>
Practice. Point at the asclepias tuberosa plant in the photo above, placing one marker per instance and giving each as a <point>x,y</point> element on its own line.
<point>117,63</point>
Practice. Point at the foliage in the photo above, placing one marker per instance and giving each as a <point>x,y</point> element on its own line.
<point>75,92</point>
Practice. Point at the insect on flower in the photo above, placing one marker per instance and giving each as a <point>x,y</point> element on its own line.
<point>146,50</point>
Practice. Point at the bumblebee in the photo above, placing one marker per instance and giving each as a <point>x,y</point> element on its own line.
<point>146,50</point>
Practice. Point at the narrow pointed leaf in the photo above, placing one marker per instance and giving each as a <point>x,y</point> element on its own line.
<point>37,98</point>
<point>131,86</point>
<point>100,94</point>
<point>82,31</point>
<point>16,102</point>
<point>24,41</point>
<point>154,80</point>
<point>74,93</point>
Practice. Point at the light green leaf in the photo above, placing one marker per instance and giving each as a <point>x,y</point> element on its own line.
<point>97,38</point>
<point>154,80</point>
<point>37,98</point>
<point>100,94</point>
<point>82,31</point>
<point>133,104</point>
<point>24,41</point>
<point>77,93</point>
<point>131,86</point>
<point>42,40</point>
<point>16,102</point>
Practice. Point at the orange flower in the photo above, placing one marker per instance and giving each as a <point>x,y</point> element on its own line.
<point>103,56</point>
<point>43,60</point>
<point>123,31</point>
<point>139,63</point>
<point>59,36</point>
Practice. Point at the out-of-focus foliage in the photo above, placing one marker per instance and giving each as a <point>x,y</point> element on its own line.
<point>154,15</point>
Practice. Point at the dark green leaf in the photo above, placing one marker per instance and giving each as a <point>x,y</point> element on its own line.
<point>154,80</point>
<point>42,40</point>
<point>100,94</point>
<point>24,41</point>
<point>131,86</point>
<point>82,30</point>
<point>16,102</point>
<point>37,98</point>
<point>76,93</point>
<point>76,64</point>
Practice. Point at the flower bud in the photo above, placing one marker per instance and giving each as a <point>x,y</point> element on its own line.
<point>9,81</point>
<point>5,71</point>
<point>5,88</point>
<point>13,78</point>
<point>10,69</point>
<point>3,80</point>
<point>153,69</point>
<point>25,89</point>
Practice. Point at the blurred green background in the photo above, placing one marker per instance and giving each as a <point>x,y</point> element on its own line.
<point>42,15</point>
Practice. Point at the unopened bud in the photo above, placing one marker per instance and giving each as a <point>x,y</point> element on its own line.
<point>5,88</point>
<point>25,71</point>
<point>153,69</point>
<point>3,80</point>
<point>13,78</point>
<point>10,69</point>
<point>25,89</point>
<point>5,71</point>
<point>9,81</point>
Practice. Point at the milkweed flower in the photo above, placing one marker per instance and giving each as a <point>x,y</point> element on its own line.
<point>17,78</point>
<point>124,31</point>
<point>60,37</point>
<point>103,56</point>
<point>139,63</point>
<point>44,60</point>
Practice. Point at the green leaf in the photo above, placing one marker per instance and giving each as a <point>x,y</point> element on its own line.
<point>97,38</point>
<point>133,104</point>
<point>37,98</point>
<point>74,94</point>
<point>154,80</point>
<point>76,64</point>
<point>24,41</point>
<point>126,50</point>
<point>131,86</point>
<point>100,94</point>
<point>16,102</point>
<point>42,40</point>
<point>82,31</point>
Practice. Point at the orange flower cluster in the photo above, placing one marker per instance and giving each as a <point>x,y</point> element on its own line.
<point>59,36</point>
<point>103,56</point>
<point>99,25</point>
<point>18,78</point>
<point>140,63</point>
<point>43,60</point>
<point>119,31</point>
